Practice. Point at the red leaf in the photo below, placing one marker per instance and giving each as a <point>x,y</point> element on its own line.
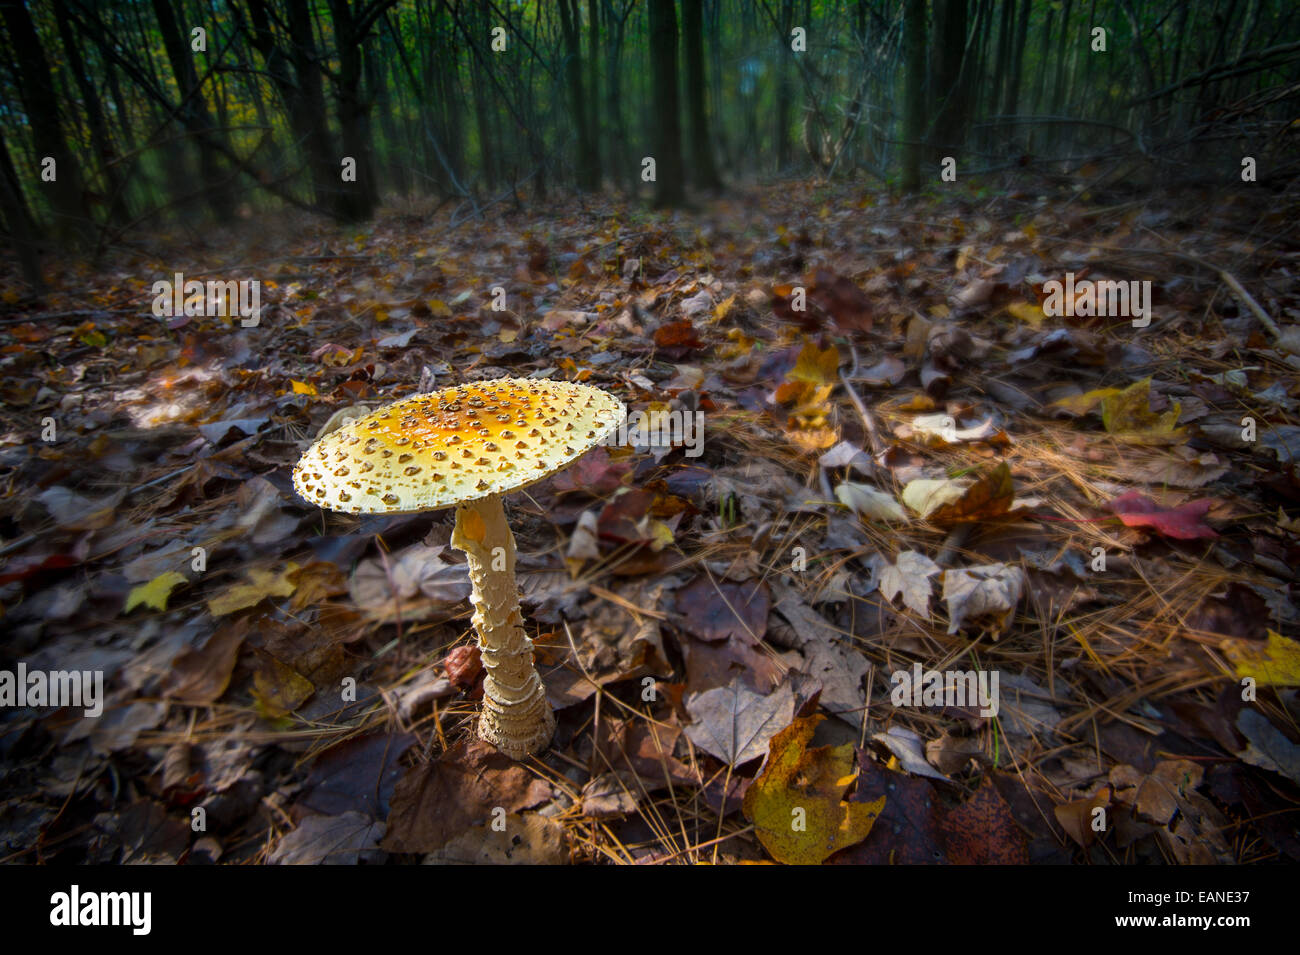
<point>676,339</point>
<point>1184,522</point>
<point>463,665</point>
<point>594,473</point>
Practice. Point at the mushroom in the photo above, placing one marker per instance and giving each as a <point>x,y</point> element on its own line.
<point>465,447</point>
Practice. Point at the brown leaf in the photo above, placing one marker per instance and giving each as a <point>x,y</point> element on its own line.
<point>982,831</point>
<point>907,832</point>
<point>436,802</point>
<point>1077,817</point>
<point>988,498</point>
<point>715,609</point>
<point>356,775</point>
<point>676,339</point>
<point>201,676</point>
<point>278,688</point>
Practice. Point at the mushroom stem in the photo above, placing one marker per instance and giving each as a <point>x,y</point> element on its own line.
<point>516,717</point>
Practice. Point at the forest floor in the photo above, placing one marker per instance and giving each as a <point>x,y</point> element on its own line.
<point>918,469</point>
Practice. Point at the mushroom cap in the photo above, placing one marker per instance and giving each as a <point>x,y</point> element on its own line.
<point>455,445</point>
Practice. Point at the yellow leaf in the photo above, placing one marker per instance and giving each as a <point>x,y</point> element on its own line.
<point>1275,663</point>
<point>260,585</point>
<point>815,365</point>
<point>278,688</point>
<point>439,308</point>
<point>1082,404</point>
<point>507,335</point>
<point>722,308</point>
<point>813,440</point>
<point>796,803</point>
<point>1031,315</point>
<point>1127,416</point>
<point>154,594</point>
<point>661,535</point>
<point>303,387</point>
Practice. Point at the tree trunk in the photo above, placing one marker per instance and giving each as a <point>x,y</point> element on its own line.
<point>194,112</point>
<point>667,140</point>
<point>587,174</point>
<point>1017,58</point>
<point>947,68</point>
<point>914,95</point>
<point>99,134</point>
<point>704,171</point>
<point>593,87</point>
<point>36,89</point>
<point>19,223</point>
<point>781,134</point>
<point>355,201</point>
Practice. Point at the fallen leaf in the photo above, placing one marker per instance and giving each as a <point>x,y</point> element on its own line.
<point>278,688</point>
<point>260,585</point>
<point>925,495</point>
<point>982,831</point>
<point>909,749</point>
<point>676,339</point>
<point>1275,662</point>
<point>200,676</point>
<point>439,801</point>
<point>910,576</point>
<point>609,795</point>
<point>1077,817</point>
<point>1030,314</point>
<point>1127,416</point>
<point>829,655</point>
<point>356,775</point>
<point>1181,467</point>
<point>989,497</point>
<point>907,832</point>
<point>974,594</point>
<point>796,804</point>
<point>735,723</point>
<point>1082,404</point>
<point>155,593</point>
<point>815,365</point>
<point>715,609</point>
<point>867,502</point>
<point>463,665</point>
<point>1268,746</point>
<point>331,840</point>
<point>1184,522</point>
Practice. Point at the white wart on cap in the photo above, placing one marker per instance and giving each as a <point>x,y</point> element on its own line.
<point>456,445</point>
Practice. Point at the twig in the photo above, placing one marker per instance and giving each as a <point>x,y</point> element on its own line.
<point>868,422</point>
<point>1250,303</point>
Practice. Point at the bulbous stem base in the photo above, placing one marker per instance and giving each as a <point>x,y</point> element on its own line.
<point>516,717</point>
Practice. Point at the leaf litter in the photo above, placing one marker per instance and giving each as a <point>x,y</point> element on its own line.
<point>922,430</point>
